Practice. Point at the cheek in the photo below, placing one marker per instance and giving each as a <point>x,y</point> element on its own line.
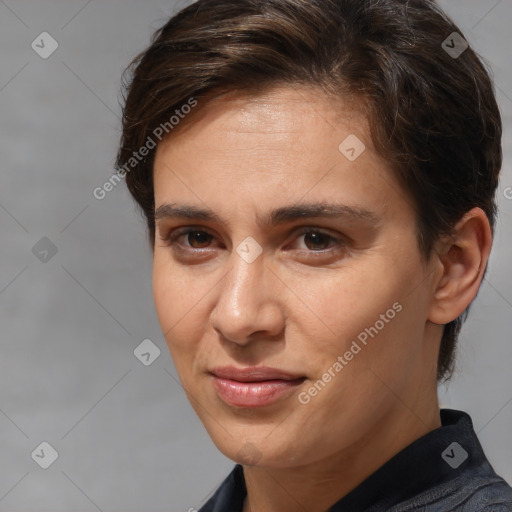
<point>366,312</point>
<point>343,304</point>
<point>179,305</point>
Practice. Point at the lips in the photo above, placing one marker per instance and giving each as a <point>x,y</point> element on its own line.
<point>253,386</point>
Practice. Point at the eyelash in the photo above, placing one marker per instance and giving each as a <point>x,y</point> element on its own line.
<point>171,239</point>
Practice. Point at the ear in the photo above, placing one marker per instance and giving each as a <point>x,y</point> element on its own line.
<point>463,259</point>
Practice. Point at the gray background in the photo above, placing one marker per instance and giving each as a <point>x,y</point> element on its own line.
<point>126,436</point>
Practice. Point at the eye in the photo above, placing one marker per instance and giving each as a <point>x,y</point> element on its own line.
<point>195,237</point>
<point>315,242</point>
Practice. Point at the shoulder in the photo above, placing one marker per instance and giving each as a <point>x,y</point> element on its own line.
<point>491,495</point>
<point>469,493</point>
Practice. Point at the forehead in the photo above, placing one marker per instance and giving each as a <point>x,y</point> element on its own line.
<point>287,143</point>
<point>283,112</point>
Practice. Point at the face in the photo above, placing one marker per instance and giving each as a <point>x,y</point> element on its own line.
<point>287,277</point>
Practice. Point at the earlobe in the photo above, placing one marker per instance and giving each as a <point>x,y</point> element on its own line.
<point>463,259</point>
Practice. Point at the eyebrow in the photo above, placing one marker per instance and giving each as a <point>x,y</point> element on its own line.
<point>275,217</point>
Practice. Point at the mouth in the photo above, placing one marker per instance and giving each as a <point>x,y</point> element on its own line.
<point>253,386</point>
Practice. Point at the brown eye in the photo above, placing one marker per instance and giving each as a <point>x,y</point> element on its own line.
<point>195,239</point>
<point>316,241</point>
<point>201,238</point>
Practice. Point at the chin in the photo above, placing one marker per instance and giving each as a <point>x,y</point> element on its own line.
<point>264,453</point>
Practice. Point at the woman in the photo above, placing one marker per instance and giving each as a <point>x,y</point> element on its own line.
<point>318,181</point>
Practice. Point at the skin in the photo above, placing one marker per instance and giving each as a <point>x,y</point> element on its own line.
<point>304,300</point>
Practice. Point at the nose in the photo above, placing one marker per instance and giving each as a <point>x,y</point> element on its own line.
<point>247,305</point>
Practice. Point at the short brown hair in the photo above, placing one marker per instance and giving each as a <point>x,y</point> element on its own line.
<point>433,115</point>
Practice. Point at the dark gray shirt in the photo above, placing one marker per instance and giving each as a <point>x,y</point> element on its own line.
<point>445,470</point>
